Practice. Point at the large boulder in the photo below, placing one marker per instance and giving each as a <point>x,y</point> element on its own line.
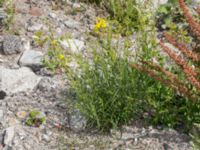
<point>17,80</point>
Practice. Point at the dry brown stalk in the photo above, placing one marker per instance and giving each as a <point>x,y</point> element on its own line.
<point>167,82</point>
<point>189,53</point>
<point>194,25</point>
<point>179,61</point>
<point>190,73</point>
<point>151,73</point>
<point>173,79</point>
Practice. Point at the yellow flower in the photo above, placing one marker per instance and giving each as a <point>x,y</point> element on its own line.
<point>61,56</point>
<point>54,42</point>
<point>101,23</point>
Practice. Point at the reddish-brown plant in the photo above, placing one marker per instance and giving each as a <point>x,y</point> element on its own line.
<point>192,74</point>
<point>194,25</point>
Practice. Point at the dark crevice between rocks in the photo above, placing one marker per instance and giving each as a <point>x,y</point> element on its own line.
<point>2,94</point>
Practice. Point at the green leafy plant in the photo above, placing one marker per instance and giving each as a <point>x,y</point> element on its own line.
<point>104,89</point>
<point>35,118</point>
<point>160,104</point>
<point>55,58</point>
<point>40,38</point>
<point>124,15</point>
<point>168,14</point>
<point>180,32</point>
<point>110,93</point>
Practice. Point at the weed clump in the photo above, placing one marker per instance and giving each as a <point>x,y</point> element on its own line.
<point>35,118</point>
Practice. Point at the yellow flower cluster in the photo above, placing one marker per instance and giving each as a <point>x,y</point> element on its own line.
<point>100,24</point>
<point>61,57</point>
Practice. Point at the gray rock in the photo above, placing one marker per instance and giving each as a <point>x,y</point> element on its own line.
<point>2,14</point>
<point>1,57</point>
<point>9,135</point>
<point>59,31</point>
<point>127,136</point>
<point>14,66</point>
<point>52,15</point>
<point>77,121</point>
<point>157,3</point>
<point>12,44</point>
<point>31,58</point>
<point>74,45</point>
<point>47,85</point>
<point>45,72</point>
<point>76,6</point>
<point>46,138</point>
<point>1,115</point>
<point>27,146</point>
<point>26,44</point>
<point>72,24</point>
<point>35,27</point>
<point>7,148</point>
<point>196,1</point>
<point>2,17</point>
<point>167,146</point>
<point>17,80</point>
<point>2,134</point>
